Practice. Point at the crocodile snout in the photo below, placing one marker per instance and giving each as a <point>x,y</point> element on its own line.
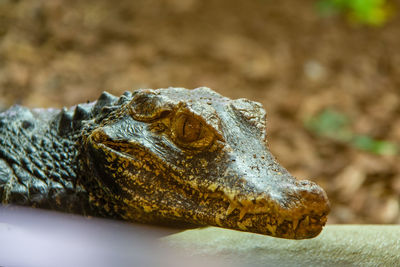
<point>310,213</point>
<point>271,201</point>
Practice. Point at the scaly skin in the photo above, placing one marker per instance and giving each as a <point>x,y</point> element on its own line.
<point>168,156</point>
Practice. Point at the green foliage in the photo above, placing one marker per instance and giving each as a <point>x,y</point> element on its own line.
<point>368,12</point>
<point>332,124</point>
<point>379,147</point>
<point>336,125</point>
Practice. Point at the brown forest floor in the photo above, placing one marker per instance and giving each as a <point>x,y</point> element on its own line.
<point>280,53</point>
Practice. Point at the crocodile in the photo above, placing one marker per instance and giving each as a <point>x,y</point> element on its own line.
<point>171,156</point>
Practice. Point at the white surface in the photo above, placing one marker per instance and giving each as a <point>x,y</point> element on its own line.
<point>36,238</point>
<point>31,238</point>
<point>337,245</point>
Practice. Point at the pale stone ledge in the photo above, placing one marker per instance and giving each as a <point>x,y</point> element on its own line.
<point>337,245</point>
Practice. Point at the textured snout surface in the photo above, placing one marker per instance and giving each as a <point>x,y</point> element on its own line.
<point>314,197</point>
<point>292,209</point>
<point>311,214</point>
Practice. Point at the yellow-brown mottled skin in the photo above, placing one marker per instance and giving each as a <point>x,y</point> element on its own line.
<point>170,156</point>
<point>193,157</point>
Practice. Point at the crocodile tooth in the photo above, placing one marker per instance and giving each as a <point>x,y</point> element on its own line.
<point>243,212</point>
<point>242,226</point>
<point>230,209</point>
<point>218,220</point>
<point>295,224</point>
<point>271,228</point>
<point>307,220</point>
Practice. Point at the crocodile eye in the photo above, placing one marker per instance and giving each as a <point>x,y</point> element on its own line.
<point>188,129</point>
<point>189,132</point>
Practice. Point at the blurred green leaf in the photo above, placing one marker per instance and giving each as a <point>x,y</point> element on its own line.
<point>332,124</point>
<point>368,12</point>
<point>369,144</point>
<point>335,125</point>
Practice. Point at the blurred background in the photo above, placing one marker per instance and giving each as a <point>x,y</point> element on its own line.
<point>327,72</point>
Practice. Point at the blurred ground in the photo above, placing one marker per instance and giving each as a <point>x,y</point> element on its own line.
<point>280,53</point>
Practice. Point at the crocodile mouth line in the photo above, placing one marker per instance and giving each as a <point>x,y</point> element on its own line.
<point>260,216</point>
<point>115,149</point>
<point>257,214</point>
<point>121,148</point>
<point>269,220</point>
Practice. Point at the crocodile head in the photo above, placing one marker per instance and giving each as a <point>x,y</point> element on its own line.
<point>195,157</point>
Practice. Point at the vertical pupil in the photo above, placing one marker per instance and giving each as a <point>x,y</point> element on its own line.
<point>191,129</point>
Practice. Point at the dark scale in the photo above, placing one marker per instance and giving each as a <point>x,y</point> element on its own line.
<point>35,160</point>
<point>39,157</point>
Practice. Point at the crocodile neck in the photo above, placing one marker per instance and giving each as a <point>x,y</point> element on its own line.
<point>39,157</point>
<point>38,165</point>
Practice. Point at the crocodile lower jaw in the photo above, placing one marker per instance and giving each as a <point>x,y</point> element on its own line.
<point>263,216</point>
